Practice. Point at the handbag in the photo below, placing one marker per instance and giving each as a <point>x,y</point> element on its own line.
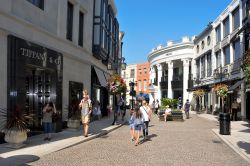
<point>55,117</point>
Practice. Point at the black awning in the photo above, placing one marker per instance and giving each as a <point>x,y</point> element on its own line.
<point>101,77</point>
<point>234,86</point>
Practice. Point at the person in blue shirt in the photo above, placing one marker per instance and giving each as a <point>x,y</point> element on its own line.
<point>187,108</point>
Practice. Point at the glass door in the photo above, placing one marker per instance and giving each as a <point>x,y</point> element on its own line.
<point>40,89</point>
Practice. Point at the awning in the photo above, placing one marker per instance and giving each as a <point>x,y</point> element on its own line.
<point>101,77</point>
<point>234,86</point>
<point>107,76</point>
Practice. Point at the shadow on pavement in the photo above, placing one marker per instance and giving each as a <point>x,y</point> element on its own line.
<point>18,160</point>
<point>246,131</point>
<point>149,138</point>
<point>95,128</point>
<point>244,145</point>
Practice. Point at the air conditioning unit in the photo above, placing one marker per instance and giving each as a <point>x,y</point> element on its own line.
<point>226,69</point>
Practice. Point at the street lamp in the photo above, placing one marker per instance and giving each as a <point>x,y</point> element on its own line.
<point>220,73</point>
<point>132,92</point>
<point>120,64</point>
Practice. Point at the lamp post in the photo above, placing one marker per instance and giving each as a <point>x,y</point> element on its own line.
<point>218,73</point>
<point>120,65</point>
<point>132,92</point>
<point>117,67</point>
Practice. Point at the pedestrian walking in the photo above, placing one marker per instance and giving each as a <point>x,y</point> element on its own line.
<point>116,108</point>
<point>48,112</point>
<point>97,111</point>
<point>157,105</point>
<point>187,108</point>
<point>132,125</point>
<point>234,111</point>
<point>123,108</point>
<point>86,108</point>
<point>109,109</point>
<point>138,122</point>
<point>145,111</point>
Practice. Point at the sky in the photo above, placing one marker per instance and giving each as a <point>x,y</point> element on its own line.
<point>148,23</point>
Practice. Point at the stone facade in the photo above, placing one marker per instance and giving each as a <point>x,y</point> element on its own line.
<point>46,27</point>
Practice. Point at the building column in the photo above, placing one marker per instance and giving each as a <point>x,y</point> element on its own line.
<point>185,79</point>
<point>151,74</point>
<point>158,96</point>
<point>170,77</point>
<point>243,100</point>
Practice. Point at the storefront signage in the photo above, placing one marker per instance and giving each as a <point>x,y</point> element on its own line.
<point>42,56</point>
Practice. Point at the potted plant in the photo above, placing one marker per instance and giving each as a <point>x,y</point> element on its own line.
<point>170,102</point>
<point>246,66</point>
<point>222,91</point>
<point>74,116</point>
<point>15,126</point>
<point>116,85</point>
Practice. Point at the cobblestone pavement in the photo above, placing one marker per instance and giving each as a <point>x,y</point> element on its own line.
<point>191,142</point>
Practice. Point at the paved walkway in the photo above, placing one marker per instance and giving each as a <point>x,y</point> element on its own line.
<point>36,147</point>
<point>172,143</point>
<point>239,140</point>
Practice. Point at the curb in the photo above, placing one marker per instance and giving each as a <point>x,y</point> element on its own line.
<point>93,136</point>
<point>21,161</point>
<point>229,144</point>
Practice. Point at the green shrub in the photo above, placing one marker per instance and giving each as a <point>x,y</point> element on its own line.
<point>171,102</point>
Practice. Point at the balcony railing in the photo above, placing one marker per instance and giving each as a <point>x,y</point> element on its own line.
<point>164,85</point>
<point>164,79</point>
<point>177,84</point>
<point>236,66</point>
<point>177,77</point>
<point>164,82</point>
<point>222,72</point>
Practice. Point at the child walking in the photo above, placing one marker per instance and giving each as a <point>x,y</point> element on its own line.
<point>138,125</point>
<point>132,125</point>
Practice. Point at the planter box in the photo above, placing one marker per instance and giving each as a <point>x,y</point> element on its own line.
<point>15,138</point>
<point>175,116</point>
<point>73,124</point>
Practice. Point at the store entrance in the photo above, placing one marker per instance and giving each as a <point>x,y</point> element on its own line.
<point>247,105</point>
<point>40,89</point>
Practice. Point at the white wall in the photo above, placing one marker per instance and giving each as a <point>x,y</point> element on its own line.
<point>74,71</point>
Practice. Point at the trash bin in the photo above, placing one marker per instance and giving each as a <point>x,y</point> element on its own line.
<point>224,119</point>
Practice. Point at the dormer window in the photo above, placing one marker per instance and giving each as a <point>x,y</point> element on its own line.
<point>202,44</point>
<point>197,49</point>
<point>208,40</point>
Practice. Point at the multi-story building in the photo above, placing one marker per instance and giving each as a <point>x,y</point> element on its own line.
<point>225,54</point>
<point>51,50</point>
<point>139,75</point>
<point>246,51</point>
<point>216,57</point>
<point>142,78</point>
<point>130,75</point>
<point>202,72</point>
<point>170,70</point>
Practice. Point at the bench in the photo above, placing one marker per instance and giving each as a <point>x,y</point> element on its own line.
<point>175,116</point>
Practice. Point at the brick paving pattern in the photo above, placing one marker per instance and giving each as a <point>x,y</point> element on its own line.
<point>191,142</point>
